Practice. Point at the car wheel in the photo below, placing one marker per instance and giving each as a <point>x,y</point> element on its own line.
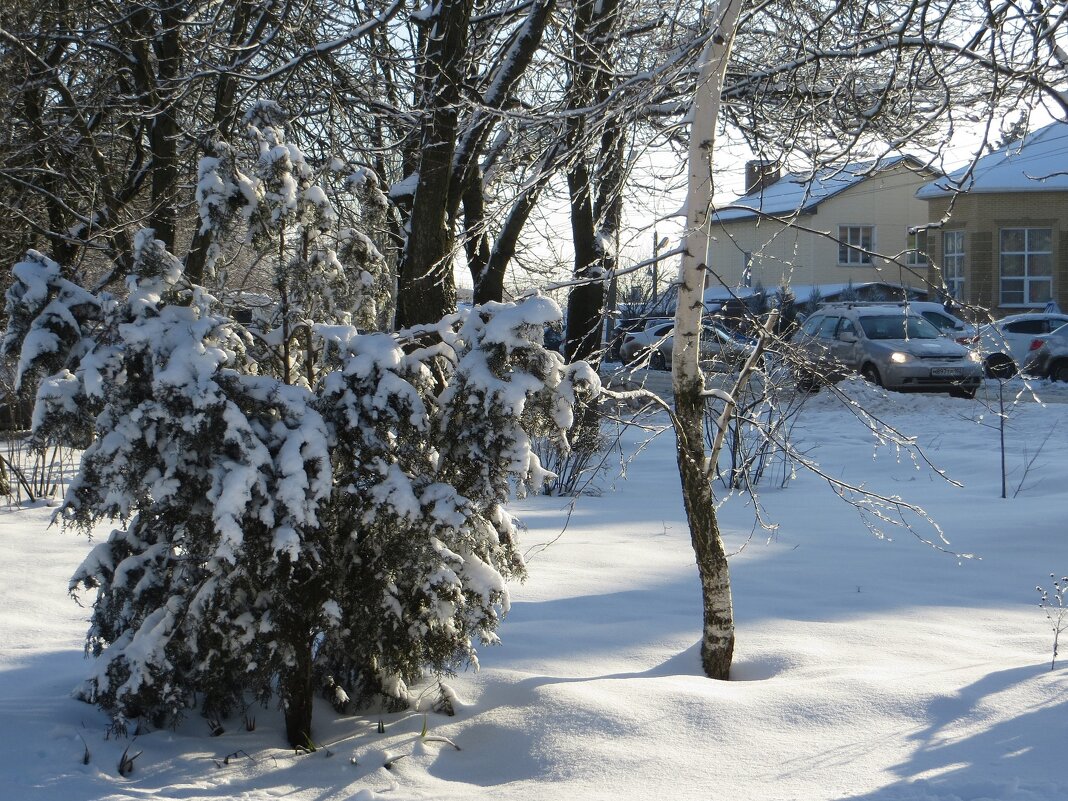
<point>1059,370</point>
<point>657,361</point>
<point>1000,365</point>
<point>807,381</point>
<point>869,373</point>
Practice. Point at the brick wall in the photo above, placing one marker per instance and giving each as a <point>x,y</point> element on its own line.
<point>981,217</point>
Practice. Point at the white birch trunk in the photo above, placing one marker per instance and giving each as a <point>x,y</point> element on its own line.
<point>717,640</point>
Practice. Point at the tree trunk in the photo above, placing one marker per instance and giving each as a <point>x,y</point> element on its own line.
<point>222,122</point>
<point>595,203</point>
<point>159,64</point>
<point>717,633</point>
<point>476,242</point>
<point>490,286</point>
<point>427,289</point>
<point>297,701</point>
<point>717,637</point>
<point>585,303</point>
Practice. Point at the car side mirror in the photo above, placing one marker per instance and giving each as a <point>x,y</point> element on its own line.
<point>847,336</point>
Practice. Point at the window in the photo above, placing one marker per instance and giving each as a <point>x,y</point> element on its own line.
<point>939,321</point>
<point>953,263</point>
<point>812,325</point>
<point>711,333</point>
<point>917,249</point>
<point>853,241</point>
<point>828,327</point>
<point>898,326</point>
<point>1026,266</point>
<point>1033,327</point>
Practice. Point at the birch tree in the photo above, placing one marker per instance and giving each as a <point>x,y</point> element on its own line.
<point>823,83</point>
<point>717,638</point>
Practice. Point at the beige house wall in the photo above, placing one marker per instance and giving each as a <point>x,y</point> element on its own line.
<point>981,217</point>
<point>805,251</point>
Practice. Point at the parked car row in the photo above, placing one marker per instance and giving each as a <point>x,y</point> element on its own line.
<point>721,348</point>
<point>641,342</point>
<point>654,344</point>
<point>916,345</point>
<point>945,321</point>
<point>1005,343</point>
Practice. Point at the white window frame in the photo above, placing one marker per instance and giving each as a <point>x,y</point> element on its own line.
<point>1027,278</point>
<point>917,248</point>
<point>850,238</point>
<point>953,263</point>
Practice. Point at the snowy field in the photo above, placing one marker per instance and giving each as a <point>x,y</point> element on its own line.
<point>866,668</point>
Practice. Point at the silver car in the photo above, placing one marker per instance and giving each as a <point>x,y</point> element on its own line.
<point>887,345</point>
<point>1048,356</point>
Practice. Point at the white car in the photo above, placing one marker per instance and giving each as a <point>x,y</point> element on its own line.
<point>1048,356</point>
<point>642,344</point>
<point>1004,344</point>
<point>722,349</point>
<point>948,323</point>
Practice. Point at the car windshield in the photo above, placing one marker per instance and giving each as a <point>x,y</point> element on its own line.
<point>898,326</point>
<point>712,332</point>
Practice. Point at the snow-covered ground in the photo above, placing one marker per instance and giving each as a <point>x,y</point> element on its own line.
<point>866,668</point>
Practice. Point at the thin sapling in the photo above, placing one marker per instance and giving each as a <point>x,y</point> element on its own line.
<point>1052,603</point>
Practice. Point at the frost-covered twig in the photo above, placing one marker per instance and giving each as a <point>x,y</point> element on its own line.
<point>1031,462</point>
<point>1056,613</point>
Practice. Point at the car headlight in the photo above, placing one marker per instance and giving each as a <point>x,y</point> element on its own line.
<point>899,357</point>
<point>973,356</point>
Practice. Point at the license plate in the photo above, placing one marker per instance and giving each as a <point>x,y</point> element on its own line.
<point>949,372</point>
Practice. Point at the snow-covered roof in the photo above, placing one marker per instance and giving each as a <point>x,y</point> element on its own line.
<point>1037,163</point>
<point>716,295</point>
<point>726,293</point>
<point>799,193</point>
<point>802,292</point>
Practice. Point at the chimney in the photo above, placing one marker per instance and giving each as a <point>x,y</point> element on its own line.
<point>760,174</point>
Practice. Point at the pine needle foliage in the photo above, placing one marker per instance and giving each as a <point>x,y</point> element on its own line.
<point>298,509</point>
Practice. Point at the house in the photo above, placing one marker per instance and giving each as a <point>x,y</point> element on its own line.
<point>999,239</point>
<point>848,224</point>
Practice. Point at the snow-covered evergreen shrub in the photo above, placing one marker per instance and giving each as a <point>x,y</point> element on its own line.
<point>429,474</point>
<point>344,530</point>
<point>322,273</point>
<point>51,324</point>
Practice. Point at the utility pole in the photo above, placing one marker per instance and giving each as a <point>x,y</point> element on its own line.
<point>656,266</point>
<point>658,244</point>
